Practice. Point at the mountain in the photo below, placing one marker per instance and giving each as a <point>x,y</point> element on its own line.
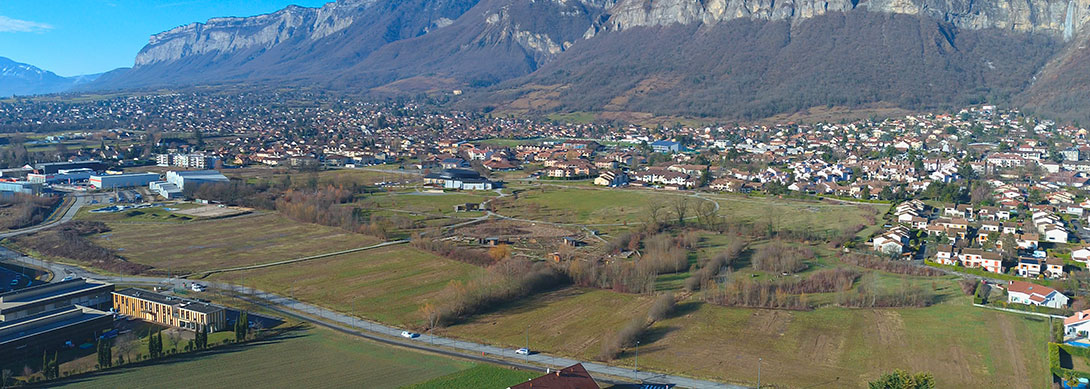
<point>716,58</point>
<point>21,79</point>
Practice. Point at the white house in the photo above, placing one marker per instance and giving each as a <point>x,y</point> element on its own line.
<point>1078,324</point>
<point>1021,292</point>
<point>1081,255</point>
<point>1055,235</point>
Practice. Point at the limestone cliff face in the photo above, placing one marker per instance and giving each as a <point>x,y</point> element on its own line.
<point>1061,18</point>
<point>221,35</point>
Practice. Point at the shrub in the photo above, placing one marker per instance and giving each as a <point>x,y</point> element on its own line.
<point>780,257</point>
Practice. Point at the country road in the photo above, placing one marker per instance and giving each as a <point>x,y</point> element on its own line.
<point>356,326</point>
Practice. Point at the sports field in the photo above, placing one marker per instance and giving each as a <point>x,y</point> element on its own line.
<point>387,284</point>
<point>314,358</point>
<point>220,243</point>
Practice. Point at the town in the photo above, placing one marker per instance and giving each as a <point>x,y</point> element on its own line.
<point>978,211</point>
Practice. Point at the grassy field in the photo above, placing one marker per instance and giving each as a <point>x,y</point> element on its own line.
<point>796,214</point>
<point>142,215</point>
<point>387,284</point>
<point>214,244</point>
<point>480,376</point>
<point>314,358</point>
<point>585,206</point>
<point>963,346</point>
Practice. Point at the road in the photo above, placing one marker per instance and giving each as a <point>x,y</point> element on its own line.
<point>73,206</point>
<point>353,325</point>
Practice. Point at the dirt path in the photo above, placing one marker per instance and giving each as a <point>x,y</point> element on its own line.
<point>1012,348</point>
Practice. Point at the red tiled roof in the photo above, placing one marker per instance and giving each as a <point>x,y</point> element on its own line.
<point>571,377</point>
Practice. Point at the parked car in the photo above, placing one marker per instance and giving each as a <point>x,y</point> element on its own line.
<point>198,287</point>
<point>409,334</point>
<point>523,351</point>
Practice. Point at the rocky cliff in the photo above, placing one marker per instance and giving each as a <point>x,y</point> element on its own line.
<point>726,58</point>
<point>1063,18</point>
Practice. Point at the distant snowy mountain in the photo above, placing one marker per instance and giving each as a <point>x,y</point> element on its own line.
<point>20,79</point>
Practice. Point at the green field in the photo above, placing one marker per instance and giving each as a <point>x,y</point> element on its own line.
<point>586,206</point>
<point>963,346</point>
<point>214,244</point>
<point>480,376</point>
<point>429,203</point>
<point>797,214</point>
<point>388,284</point>
<point>314,358</point>
<point>142,215</point>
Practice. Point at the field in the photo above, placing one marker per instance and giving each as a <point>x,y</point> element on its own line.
<point>316,357</point>
<point>961,345</point>
<point>796,214</point>
<point>585,206</point>
<point>480,376</point>
<point>387,284</point>
<point>220,243</point>
<point>428,203</point>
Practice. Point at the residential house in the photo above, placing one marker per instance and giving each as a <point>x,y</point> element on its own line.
<point>1021,292</point>
<point>1078,324</point>
<point>946,255</point>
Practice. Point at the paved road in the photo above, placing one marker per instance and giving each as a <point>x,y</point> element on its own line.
<point>74,205</point>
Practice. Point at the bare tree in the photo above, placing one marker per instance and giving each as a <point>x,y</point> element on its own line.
<point>126,344</point>
<point>708,214</point>
<point>654,210</point>
<point>175,336</point>
<point>681,208</point>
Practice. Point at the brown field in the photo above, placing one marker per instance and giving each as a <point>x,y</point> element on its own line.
<point>387,284</point>
<point>214,244</point>
<point>961,345</point>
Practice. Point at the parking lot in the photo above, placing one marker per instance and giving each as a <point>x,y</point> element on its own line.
<point>8,276</point>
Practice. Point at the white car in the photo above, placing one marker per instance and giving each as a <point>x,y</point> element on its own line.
<point>197,287</point>
<point>523,351</point>
<point>409,334</point>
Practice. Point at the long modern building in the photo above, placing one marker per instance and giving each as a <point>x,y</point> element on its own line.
<point>37,299</point>
<point>55,167</point>
<point>109,181</point>
<point>170,310</point>
<point>27,337</point>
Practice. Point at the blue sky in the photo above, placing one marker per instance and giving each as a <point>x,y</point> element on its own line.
<point>71,37</point>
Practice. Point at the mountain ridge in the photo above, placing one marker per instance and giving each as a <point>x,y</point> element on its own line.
<point>501,48</point>
<point>20,79</point>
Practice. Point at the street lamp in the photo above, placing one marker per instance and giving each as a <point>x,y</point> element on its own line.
<point>759,372</point>
<point>637,360</point>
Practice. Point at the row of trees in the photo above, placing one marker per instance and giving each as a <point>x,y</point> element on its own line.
<point>505,281</point>
<point>877,263</point>
<point>711,267</point>
<point>628,335</point>
<point>784,294</point>
<point>458,253</point>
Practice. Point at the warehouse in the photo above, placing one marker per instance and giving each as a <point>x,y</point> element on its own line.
<point>64,176</point>
<point>56,167</point>
<point>110,181</point>
<point>34,300</point>
<point>24,187</point>
<point>177,182</point>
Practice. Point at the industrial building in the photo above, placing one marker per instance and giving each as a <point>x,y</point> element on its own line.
<point>37,299</point>
<point>110,181</point>
<point>56,167</point>
<point>177,182</point>
<point>28,337</point>
<point>170,310</point>
<point>25,187</point>
<point>459,179</point>
<point>67,176</point>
